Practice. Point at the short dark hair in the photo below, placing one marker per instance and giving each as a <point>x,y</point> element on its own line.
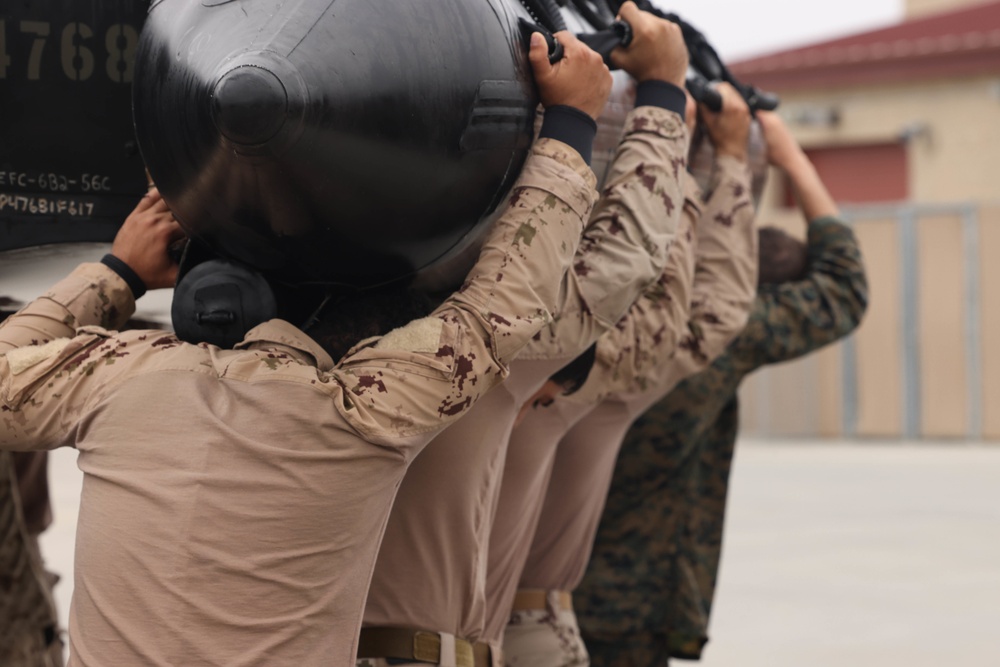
<point>781,259</point>
<point>352,316</point>
<point>574,375</point>
<point>8,307</point>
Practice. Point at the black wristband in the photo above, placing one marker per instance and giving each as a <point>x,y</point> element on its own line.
<point>572,127</point>
<point>656,93</point>
<point>126,273</point>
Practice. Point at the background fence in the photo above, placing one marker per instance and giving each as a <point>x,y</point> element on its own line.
<point>922,364</point>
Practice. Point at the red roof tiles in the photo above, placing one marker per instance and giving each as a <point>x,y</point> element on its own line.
<point>954,43</point>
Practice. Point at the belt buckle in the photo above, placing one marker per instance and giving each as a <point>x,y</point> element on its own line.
<point>427,647</point>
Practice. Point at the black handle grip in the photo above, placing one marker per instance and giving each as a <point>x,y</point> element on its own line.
<point>704,93</point>
<point>619,33</point>
<point>556,51</point>
<point>761,101</point>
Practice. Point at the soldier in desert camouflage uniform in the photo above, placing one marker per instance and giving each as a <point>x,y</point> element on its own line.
<point>648,591</point>
<point>441,531</point>
<point>234,500</point>
<point>561,457</point>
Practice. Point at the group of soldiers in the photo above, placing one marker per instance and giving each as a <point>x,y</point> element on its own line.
<point>445,492</point>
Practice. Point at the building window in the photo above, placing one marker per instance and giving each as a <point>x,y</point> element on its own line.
<point>861,173</point>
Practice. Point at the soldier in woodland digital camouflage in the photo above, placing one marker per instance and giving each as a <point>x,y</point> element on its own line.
<point>647,593</point>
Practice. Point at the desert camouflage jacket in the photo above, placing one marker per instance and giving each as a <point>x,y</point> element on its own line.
<point>156,419</point>
<point>632,228</point>
<point>697,305</point>
<point>652,575</point>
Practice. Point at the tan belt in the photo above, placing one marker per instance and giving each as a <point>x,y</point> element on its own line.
<point>536,599</point>
<point>421,646</point>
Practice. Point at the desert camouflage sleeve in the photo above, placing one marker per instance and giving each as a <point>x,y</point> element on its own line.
<point>56,365</point>
<point>699,305</point>
<point>647,335</point>
<point>46,369</point>
<point>91,295</point>
<point>628,236</point>
<point>417,378</point>
<point>725,276</point>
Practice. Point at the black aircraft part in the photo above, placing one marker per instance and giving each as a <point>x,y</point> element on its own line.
<point>323,141</point>
<point>70,169</point>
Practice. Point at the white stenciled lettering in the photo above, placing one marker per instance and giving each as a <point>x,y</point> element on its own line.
<point>45,205</point>
<point>52,182</point>
<point>15,178</point>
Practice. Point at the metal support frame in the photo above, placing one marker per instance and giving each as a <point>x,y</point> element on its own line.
<point>849,374</point>
<point>907,217</point>
<point>973,324</point>
<point>910,330</point>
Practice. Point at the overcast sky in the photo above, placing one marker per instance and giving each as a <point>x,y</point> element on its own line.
<point>742,28</point>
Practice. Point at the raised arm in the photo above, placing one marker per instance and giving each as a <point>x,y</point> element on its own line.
<point>93,295</point>
<point>797,317</point>
<point>463,348</point>
<point>784,152</point>
<point>405,385</point>
<point>725,282</point>
<point>701,302</point>
<point>54,351</point>
<point>626,242</point>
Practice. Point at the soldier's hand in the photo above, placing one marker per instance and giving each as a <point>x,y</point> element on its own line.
<point>144,239</point>
<point>782,148</point>
<point>690,112</point>
<point>729,129</point>
<point>657,51</point>
<point>580,79</point>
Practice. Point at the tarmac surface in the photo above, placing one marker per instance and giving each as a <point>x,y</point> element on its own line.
<point>862,554</point>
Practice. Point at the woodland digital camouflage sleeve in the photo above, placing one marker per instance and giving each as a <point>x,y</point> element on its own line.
<point>802,316</point>
<point>27,613</point>
<point>630,231</point>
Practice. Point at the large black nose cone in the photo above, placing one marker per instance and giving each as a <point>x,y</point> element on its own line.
<point>249,105</point>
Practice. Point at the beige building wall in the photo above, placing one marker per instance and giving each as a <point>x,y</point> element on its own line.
<point>941,288</point>
<point>879,355</point>
<point>952,128</point>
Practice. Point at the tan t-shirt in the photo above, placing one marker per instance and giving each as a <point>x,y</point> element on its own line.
<point>546,520</point>
<point>234,500</point>
<point>431,570</point>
